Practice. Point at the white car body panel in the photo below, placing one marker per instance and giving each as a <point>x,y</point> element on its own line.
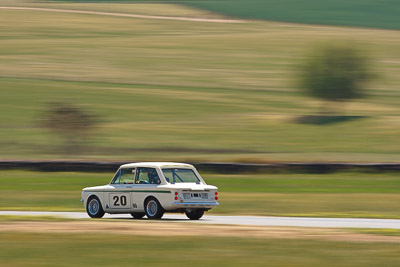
<point>130,197</point>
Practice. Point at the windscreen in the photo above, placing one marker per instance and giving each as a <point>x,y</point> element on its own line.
<point>177,175</point>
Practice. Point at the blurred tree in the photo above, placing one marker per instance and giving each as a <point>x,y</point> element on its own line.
<point>71,123</point>
<point>335,73</point>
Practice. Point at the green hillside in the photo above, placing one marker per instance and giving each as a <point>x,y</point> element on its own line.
<point>362,13</point>
<point>359,13</point>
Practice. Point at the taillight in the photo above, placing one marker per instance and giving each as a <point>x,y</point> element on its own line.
<point>216,195</point>
<point>176,193</point>
<point>216,198</point>
<point>176,198</point>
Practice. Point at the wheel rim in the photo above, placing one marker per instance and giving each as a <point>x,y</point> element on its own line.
<point>93,206</point>
<point>151,208</point>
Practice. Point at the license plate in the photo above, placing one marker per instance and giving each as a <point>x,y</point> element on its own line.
<point>195,195</point>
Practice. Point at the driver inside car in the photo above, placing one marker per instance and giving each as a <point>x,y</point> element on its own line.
<point>153,177</point>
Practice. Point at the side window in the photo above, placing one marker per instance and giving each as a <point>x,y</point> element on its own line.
<point>168,175</point>
<point>127,176</point>
<point>117,177</point>
<point>147,176</point>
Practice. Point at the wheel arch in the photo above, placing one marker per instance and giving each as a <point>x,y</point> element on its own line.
<point>149,197</point>
<point>95,195</point>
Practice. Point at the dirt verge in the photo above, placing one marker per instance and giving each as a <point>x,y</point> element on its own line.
<point>154,228</point>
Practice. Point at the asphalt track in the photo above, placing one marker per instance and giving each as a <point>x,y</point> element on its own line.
<point>239,220</point>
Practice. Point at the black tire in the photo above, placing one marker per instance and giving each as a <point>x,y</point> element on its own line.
<point>194,214</point>
<point>153,209</point>
<point>94,208</point>
<point>138,215</point>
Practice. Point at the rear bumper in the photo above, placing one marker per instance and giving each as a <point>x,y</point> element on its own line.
<point>195,204</point>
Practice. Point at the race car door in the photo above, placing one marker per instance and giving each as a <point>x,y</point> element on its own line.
<point>146,183</point>
<point>119,197</point>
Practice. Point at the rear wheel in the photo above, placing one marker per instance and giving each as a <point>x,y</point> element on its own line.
<point>138,215</point>
<point>93,208</point>
<point>153,209</point>
<point>194,214</point>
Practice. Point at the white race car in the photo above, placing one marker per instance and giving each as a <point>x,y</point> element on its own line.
<point>152,188</point>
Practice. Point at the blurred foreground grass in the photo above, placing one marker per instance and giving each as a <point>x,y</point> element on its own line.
<point>31,218</point>
<point>183,91</point>
<point>328,195</point>
<point>44,249</point>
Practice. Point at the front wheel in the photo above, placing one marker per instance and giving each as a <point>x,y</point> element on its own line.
<point>194,214</point>
<point>138,215</point>
<point>153,209</point>
<point>93,208</point>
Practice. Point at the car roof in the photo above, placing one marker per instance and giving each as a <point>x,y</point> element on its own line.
<point>157,164</point>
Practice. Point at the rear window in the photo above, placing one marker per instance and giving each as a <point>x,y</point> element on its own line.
<point>178,175</point>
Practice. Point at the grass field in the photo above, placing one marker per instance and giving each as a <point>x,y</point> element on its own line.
<point>129,6</point>
<point>332,195</point>
<point>186,91</point>
<point>44,249</point>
